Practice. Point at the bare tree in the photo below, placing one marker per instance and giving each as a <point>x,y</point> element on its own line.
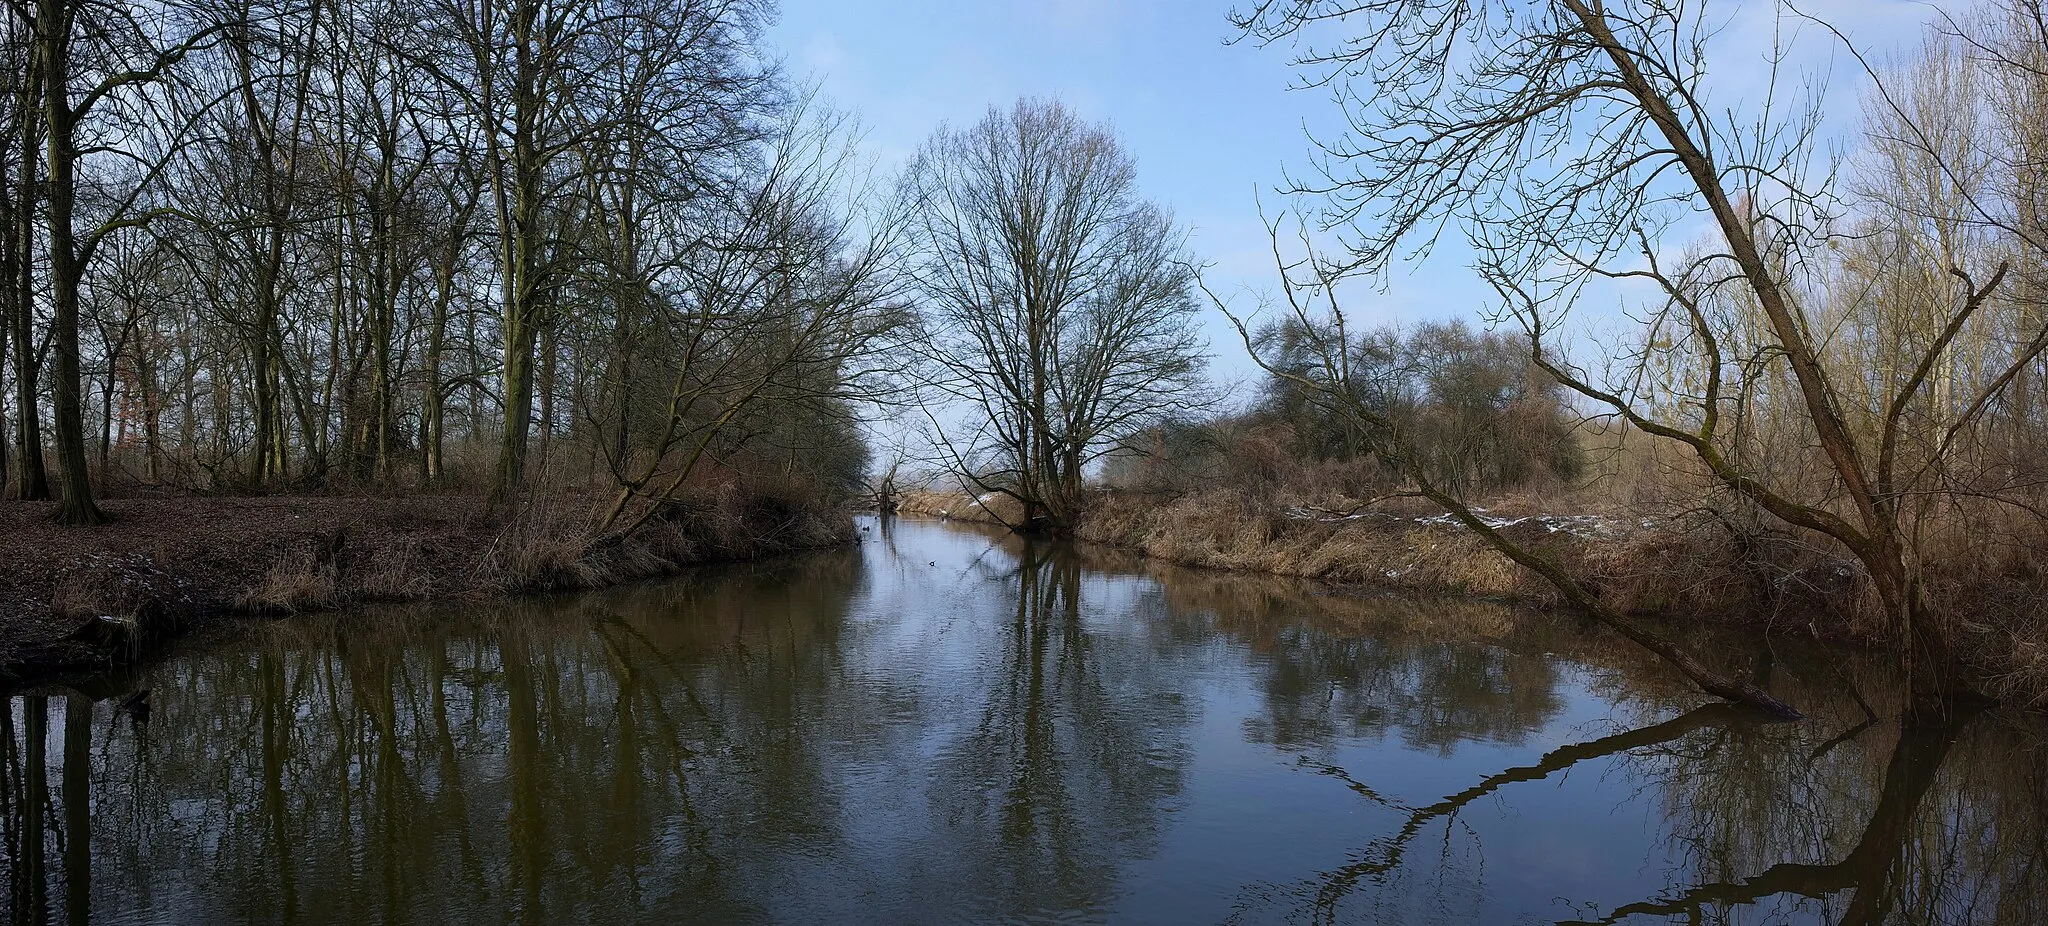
<point>523,52</point>
<point>1565,137</point>
<point>1058,302</point>
<point>1478,415</point>
<point>18,197</point>
<point>1323,364</point>
<point>552,83</point>
<point>791,310</point>
<point>95,60</point>
<point>267,244</point>
<point>270,69</point>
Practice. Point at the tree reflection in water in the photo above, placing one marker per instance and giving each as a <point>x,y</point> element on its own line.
<point>1073,748</point>
<point>947,725</point>
<point>1868,873</point>
<point>499,769</point>
<point>1906,820</point>
<point>701,750</point>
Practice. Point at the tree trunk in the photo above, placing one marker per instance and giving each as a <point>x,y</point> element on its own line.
<point>6,456</point>
<point>260,364</point>
<point>433,403</point>
<point>32,481</point>
<point>107,387</point>
<point>384,286</point>
<point>550,347</point>
<point>75,498</point>
<point>152,402</point>
<point>518,384</point>
<point>520,249</point>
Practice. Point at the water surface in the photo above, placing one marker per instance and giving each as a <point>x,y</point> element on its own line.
<point>944,725</point>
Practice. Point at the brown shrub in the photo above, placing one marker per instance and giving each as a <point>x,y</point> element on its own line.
<point>558,544</point>
<point>544,545</point>
<point>295,583</point>
<point>395,572</point>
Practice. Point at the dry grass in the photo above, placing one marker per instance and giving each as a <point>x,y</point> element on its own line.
<point>1690,565</point>
<point>563,545</point>
<point>397,572</point>
<point>960,506</point>
<point>1987,575</point>
<point>1228,530</point>
<point>1683,565</point>
<point>295,584</point>
<point>111,585</point>
<point>545,545</point>
<point>71,599</point>
<point>118,600</point>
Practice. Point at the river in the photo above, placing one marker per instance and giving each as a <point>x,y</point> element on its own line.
<point>946,725</point>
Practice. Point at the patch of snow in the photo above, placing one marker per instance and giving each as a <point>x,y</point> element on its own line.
<point>1577,525</point>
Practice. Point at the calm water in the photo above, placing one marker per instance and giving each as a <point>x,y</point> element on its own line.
<point>947,726</point>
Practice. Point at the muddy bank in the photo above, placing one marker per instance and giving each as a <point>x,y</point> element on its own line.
<point>78,599</point>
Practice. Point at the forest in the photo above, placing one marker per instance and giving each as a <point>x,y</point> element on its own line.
<point>311,246</point>
<point>605,280</point>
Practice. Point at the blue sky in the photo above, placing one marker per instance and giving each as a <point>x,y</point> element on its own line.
<point>1212,125</point>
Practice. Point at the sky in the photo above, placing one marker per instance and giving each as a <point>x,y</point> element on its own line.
<point>1214,127</point>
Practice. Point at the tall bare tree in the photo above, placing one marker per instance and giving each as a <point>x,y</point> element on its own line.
<point>791,314</point>
<point>18,197</point>
<point>1565,137</point>
<point>95,60</point>
<point>1058,301</point>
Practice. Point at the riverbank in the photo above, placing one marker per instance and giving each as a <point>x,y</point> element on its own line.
<point>1179,745</point>
<point>1682,567</point>
<point>1673,567</point>
<point>75,599</point>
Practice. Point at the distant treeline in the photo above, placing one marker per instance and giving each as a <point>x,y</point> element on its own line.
<point>1480,417</point>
